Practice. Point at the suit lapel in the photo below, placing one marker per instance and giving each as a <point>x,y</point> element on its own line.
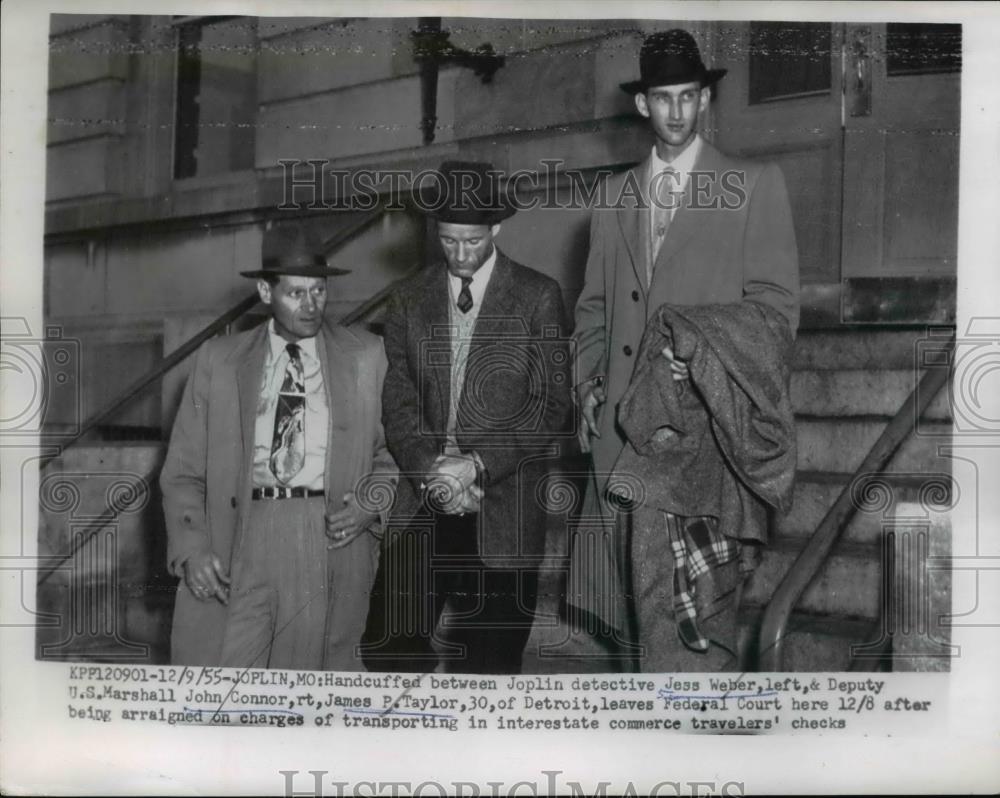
<point>496,317</point>
<point>340,378</point>
<point>498,298</point>
<point>249,373</point>
<point>630,221</point>
<point>432,339</point>
<point>687,221</point>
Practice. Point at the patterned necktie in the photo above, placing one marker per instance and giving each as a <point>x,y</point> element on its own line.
<point>288,446</point>
<point>465,295</point>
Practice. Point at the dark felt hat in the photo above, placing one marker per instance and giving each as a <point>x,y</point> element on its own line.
<point>464,192</point>
<point>293,249</point>
<point>668,58</point>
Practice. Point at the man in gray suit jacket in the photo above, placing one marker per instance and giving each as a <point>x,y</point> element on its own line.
<point>693,227</point>
<point>275,451</point>
<point>476,394</point>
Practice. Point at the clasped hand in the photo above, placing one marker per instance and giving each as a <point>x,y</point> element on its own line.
<point>452,484</point>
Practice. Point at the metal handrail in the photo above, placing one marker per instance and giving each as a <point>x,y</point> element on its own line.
<point>134,390</point>
<point>816,551</point>
<point>174,358</point>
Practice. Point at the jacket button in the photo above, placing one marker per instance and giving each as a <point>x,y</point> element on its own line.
<point>232,501</point>
<point>635,296</point>
<point>627,350</point>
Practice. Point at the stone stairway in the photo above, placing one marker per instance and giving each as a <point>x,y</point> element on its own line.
<point>846,386</point>
<point>847,383</point>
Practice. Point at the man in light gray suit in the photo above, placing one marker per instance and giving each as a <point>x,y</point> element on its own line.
<point>277,430</point>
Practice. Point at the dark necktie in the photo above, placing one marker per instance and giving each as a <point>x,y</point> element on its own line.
<point>288,446</point>
<point>465,295</point>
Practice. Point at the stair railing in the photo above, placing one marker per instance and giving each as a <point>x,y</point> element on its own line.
<point>134,390</point>
<point>817,550</point>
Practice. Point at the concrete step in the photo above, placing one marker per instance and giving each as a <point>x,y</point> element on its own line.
<point>857,392</point>
<point>840,444</point>
<point>875,502</point>
<point>865,348</point>
<point>847,586</point>
<point>812,644</point>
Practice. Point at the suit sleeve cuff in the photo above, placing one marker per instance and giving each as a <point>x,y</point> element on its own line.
<point>482,475</point>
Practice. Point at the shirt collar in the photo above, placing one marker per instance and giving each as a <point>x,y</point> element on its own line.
<point>307,346</point>
<point>479,280</point>
<point>682,164</point>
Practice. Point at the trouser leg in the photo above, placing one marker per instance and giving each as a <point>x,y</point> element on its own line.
<point>350,575</point>
<point>491,618</point>
<point>278,600</point>
<point>490,611</point>
<point>405,604</point>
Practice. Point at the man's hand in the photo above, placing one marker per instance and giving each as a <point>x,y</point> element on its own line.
<point>592,396</point>
<point>678,368</point>
<point>206,578</point>
<point>453,481</point>
<point>347,523</point>
<point>470,500</point>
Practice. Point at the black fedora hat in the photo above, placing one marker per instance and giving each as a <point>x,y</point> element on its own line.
<point>668,58</point>
<point>464,192</point>
<point>293,249</point>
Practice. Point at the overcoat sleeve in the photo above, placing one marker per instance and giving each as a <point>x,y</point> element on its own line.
<point>770,255</point>
<point>384,467</point>
<point>589,329</point>
<point>413,449</point>
<point>183,477</point>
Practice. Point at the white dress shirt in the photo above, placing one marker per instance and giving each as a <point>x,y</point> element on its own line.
<point>477,287</point>
<point>681,165</point>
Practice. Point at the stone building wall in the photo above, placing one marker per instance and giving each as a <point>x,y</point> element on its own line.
<point>136,260</point>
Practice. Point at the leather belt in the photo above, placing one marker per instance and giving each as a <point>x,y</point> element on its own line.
<point>284,493</point>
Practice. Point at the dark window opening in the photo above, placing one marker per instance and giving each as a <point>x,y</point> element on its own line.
<point>788,60</point>
<point>216,96</point>
<point>923,48</point>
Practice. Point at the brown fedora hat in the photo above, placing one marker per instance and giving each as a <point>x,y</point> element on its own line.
<point>668,58</point>
<point>293,249</point>
<point>464,192</point>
